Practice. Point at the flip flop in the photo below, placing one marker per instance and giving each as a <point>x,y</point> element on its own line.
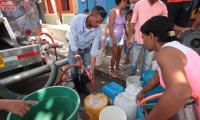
<point>113,75</point>
<point>125,63</point>
<point>119,72</point>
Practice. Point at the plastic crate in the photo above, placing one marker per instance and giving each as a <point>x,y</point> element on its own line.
<point>146,77</point>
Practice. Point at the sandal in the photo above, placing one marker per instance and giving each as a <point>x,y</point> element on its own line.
<point>119,72</point>
<point>113,75</point>
<point>125,63</point>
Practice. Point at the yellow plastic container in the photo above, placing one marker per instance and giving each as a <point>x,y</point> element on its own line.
<point>93,113</point>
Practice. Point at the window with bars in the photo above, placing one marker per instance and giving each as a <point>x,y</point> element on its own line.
<point>65,5</point>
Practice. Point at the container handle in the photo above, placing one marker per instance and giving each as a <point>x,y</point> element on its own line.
<point>195,96</point>
<point>113,86</point>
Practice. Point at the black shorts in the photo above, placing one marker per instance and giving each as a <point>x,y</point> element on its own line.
<point>179,12</point>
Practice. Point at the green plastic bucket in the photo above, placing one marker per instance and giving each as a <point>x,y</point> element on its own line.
<point>55,103</point>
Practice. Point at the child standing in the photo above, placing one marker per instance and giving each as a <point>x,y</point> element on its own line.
<point>105,37</point>
<point>127,50</point>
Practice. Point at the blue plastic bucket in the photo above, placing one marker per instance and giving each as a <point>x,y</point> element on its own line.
<point>146,77</point>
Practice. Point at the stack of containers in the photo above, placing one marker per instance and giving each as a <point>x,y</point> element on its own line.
<point>111,90</point>
<point>127,100</point>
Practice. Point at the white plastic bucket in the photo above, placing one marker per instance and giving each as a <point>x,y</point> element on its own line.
<point>112,113</point>
<point>133,80</point>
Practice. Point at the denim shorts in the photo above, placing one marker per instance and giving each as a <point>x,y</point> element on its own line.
<point>127,49</point>
<point>118,40</point>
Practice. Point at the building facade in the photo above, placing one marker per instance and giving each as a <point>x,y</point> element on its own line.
<point>66,9</point>
<point>106,4</point>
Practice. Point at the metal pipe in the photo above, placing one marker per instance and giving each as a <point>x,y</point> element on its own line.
<point>30,73</point>
<point>55,10</point>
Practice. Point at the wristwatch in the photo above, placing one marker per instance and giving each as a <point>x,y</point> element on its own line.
<point>76,56</point>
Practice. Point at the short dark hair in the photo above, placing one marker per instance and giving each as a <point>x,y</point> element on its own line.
<point>99,10</point>
<point>86,10</point>
<point>160,26</point>
<point>129,12</point>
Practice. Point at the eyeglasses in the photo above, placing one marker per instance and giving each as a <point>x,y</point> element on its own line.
<point>102,13</point>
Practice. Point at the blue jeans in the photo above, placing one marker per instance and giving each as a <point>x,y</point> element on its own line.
<point>136,51</point>
<point>85,54</point>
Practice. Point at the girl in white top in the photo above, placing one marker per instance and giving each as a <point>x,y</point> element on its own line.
<point>105,36</point>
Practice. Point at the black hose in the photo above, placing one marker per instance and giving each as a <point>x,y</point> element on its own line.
<point>6,93</point>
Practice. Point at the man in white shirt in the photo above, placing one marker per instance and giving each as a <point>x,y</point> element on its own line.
<point>85,29</point>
